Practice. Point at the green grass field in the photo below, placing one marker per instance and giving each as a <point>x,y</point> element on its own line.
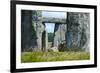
<point>53,56</point>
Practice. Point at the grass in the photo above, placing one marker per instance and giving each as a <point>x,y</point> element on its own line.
<point>53,56</point>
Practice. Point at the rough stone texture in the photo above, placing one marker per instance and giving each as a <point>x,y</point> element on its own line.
<point>44,41</point>
<point>53,49</point>
<point>59,34</point>
<point>27,31</point>
<point>38,26</point>
<point>32,31</point>
<point>78,30</point>
<point>54,20</point>
<point>62,46</point>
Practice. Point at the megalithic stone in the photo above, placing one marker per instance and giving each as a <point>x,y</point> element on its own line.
<point>85,34</point>
<point>59,34</point>
<point>78,29</point>
<point>31,30</point>
<point>38,26</point>
<point>27,30</point>
<point>44,41</point>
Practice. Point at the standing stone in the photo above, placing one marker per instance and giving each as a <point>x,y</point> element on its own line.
<point>59,34</point>
<point>38,26</point>
<point>44,41</point>
<point>27,30</point>
<point>32,31</point>
<point>78,30</point>
<point>85,34</point>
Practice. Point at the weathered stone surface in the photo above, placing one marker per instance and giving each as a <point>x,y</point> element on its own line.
<point>54,20</point>
<point>38,26</point>
<point>27,31</point>
<point>62,46</point>
<point>59,34</point>
<point>44,41</point>
<point>78,31</point>
<point>32,31</point>
<point>53,49</point>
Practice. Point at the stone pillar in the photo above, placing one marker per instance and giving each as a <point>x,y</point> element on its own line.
<point>59,34</point>
<point>26,30</point>
<point>44,41</point>
<point>85,34</point>
<point>39,27</point>
<point>78,29</point>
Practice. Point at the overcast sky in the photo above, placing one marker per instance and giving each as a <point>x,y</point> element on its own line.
<point>50,27</point>
<point>54,14</point>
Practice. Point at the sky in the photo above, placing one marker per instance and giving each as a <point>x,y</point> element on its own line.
<point>50,26</point>
<point>54,14</point>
